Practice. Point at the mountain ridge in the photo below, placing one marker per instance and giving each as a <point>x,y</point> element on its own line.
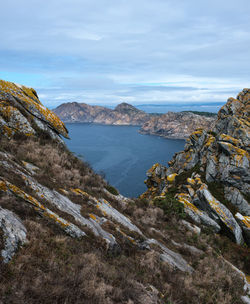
<point>169,125</point>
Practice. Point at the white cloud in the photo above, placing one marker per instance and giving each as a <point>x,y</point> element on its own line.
<point>107,50</point>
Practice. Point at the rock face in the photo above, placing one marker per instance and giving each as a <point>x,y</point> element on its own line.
<point>123,114</point>
<point>169,125</point>
<point>14,233</point>
<point>22,112</point>
<point>212,173</point>
<point>176,125</point>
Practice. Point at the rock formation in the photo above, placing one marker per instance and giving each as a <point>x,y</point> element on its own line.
<point>212,173</point>
<point>176,125</point>
<point>63,231</point>
<point>21,110</point>
<point>169,125</point>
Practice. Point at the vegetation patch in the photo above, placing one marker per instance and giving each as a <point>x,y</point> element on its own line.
<point>170,205</point>
<point>181,178</point>
<point>112,189</point>
<point>217,190</point>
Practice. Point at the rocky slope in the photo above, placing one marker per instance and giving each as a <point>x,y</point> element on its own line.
<point>123,114</point>
<point>211,176</point>
<point>63,229</point>
<point>169,125</point>
<point>176,125</point>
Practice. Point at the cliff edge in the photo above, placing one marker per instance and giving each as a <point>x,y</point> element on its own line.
<point>211,175</point>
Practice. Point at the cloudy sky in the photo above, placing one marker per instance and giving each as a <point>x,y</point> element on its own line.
<point>138,51</point>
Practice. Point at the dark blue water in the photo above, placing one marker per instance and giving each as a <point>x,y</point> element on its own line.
<point>121,153</point>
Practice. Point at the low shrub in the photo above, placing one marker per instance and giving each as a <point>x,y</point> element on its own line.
<point>112,189</point>
<point>170,205</point>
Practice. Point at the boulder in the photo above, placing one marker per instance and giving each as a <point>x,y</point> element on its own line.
<point>237,199</point>
<point>14,233</point>
<point>219,211</point>
<point>244,222</point>
<point>21,111</point>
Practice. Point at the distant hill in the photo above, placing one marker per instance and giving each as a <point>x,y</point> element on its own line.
<point>169,125</point>
<point>123,114</point>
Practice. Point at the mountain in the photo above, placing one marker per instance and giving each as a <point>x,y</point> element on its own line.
<point>169,125</point>
<point>123,114</point>
<point>67,236</point>
<point>176,125</point>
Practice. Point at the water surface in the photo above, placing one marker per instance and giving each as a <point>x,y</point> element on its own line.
<point>121,153</point>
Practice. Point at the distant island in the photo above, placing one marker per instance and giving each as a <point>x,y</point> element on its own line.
<point>170,125</point>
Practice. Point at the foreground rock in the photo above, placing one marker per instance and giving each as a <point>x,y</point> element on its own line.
<point>22,112</point>
<point>14,233</point>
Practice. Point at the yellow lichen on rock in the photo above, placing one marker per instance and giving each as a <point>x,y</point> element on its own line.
<point>226,137</point>
<point>245,220</point>
<point>171,177</point>
<point>28,99</point>
<point>183,198</point>
<point>45,212</point>
<point>78,191</point>
<point>210,141</point>
<point>191,181</point>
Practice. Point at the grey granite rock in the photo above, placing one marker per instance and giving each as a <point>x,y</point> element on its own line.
<point>14,233</point>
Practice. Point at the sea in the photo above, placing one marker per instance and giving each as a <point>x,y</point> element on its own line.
<point>120,153</point>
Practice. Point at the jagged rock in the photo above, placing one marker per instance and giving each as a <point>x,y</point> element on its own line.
<point>21,111</point>
<point>14,233</point>
<point>122,200</point>
<point>191,249</point>
<point>15,120</point>
<point>68,227</point>
<point>170,257</point>
<point>193,228</point>
<point>244,222</point>
<point>211,169</point>
<point>237,199</point>
<point>66,205</point>
<point>214,207</point>
<point>108,210</point>
<point>198,216</point>
<point>223,155</point>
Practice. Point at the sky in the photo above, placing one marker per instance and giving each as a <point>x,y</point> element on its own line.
<point>136,51</point>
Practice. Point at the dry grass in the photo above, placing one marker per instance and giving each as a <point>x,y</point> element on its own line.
<point>54,268</point>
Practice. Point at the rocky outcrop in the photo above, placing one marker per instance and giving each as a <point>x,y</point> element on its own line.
<point>22,112</point>
<point>176,125</point>
<point>14,233</point>
<point>212,173</point>
<point>244,222</point>
<point>123,114</point>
